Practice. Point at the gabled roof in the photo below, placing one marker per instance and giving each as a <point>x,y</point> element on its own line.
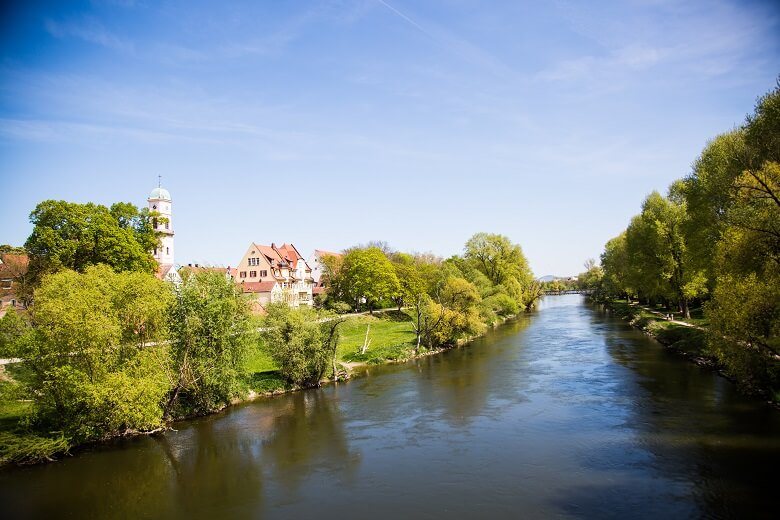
<point>257,287</point>
<point>270,253</point>
<point>163,270</point>
<point>291,253</point>
<point>14,263</point>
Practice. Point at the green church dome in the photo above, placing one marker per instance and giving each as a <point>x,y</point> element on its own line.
<point>160,193</point>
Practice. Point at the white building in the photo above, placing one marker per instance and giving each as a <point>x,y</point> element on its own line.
<point>160,201</point>
<point>275,274</point>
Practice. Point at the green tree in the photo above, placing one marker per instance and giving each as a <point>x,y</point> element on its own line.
<point>300,345</point>
<point>657,246</point>
<point>210,337</point>
<point>498,258</point>
<point>84,344</point>
<point>591,278</point>
<point>366,273</point>
<point>74,236</point>
<point>618,279</point>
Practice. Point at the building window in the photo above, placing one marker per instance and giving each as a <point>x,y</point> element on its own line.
<point>167,225</point>
<point>264,273</point>
<point>254,261</point>
<point>6,283</point>
<point>154,222</point>
<point>242,274</point>
<point>155,251</point>
<point>167,250</point>
<point>252,274</point>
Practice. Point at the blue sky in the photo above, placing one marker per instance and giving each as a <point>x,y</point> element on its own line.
<point>333,123</point>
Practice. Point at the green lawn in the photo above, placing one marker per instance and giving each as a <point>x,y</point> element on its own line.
<point>391,336</point>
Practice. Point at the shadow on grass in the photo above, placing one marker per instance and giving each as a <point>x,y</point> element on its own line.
<point>268,381</point>
<point>394,316</point>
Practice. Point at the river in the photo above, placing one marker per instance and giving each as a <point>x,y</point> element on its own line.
<point>565,413</point>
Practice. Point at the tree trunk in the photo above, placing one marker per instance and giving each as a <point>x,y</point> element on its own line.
<point>366,341</point>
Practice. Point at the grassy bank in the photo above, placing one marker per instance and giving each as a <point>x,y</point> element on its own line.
<point>752,372</point>
<point>389,337</point>
<point>686,337</point>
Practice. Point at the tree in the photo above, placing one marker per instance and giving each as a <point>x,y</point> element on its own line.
<point>657,248</point>
<point>504,264</point>
<point>74,236</point>
<point>84,344</point>
<point>618,279</point>
<point>591,278</point>
<point>210,336</point>
<point>366,273</point>
<point>411,281</point>
<point>498,258</point>
<point>300,345</point>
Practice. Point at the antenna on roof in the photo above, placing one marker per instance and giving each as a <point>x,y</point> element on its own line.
<point>159,181</point>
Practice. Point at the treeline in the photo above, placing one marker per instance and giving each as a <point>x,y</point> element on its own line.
<point>107,348</point>
<point>448,299</point>
<point>714,240</point>
<point>106,353</point>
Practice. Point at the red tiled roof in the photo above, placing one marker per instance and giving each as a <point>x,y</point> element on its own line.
<point>257,287</point>
<point>14,262</point>
<point>163,269</point>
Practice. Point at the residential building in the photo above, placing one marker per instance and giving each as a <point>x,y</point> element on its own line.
<point>275,274</point>
<point>318,271</point>
<point>12,268</point>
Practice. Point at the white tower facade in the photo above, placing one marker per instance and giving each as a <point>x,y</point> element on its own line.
<point>160,201</point>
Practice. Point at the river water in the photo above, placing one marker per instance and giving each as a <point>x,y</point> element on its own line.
<point>566,413</point>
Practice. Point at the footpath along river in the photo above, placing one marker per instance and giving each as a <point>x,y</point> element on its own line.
<point>566,413</point>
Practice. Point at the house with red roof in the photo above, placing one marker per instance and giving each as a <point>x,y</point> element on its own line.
<point>12,268</point>
<point>275,274</point>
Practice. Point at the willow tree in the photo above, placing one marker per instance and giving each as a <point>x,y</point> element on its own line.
<point>210,337</point>
<point>92,375</point>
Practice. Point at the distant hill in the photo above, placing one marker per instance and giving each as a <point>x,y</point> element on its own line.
<point>551,277</point>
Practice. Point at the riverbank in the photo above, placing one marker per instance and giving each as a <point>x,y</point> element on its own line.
<point>689,339</point>
<point>388,336</point>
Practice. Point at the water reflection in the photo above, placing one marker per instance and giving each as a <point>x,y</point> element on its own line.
<point>569,413</point>
<point>473,381</point>
<point>308,436</point>
<point>692,422</point>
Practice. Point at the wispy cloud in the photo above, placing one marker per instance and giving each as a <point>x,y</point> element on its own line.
<point>89,30</point>
<point>454,44</point>
<point>634,58</point>
<point>689,40</point>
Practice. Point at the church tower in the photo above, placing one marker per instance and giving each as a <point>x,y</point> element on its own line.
<point>160,201</point>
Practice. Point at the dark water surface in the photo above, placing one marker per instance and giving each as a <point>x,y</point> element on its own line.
<point>568,413</point>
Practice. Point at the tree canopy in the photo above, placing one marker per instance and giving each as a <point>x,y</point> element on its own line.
<point>74,236</point>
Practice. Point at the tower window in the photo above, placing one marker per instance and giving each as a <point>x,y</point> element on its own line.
<point>154,222</point>
<point>166,225</point>
<point>167,250</point>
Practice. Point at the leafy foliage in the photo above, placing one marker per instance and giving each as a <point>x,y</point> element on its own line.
<point>210,338</point>
<point>298,344</point>
<point>717,236</point>
<point>74,236</point>
<point>84,342</point>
